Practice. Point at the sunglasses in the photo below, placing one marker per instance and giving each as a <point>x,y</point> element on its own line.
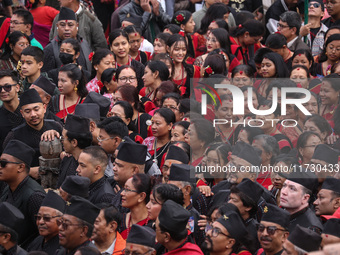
<point>65,225</point>
<point>45,218</point>
<point>270,229</point>
<point>316,5</point>
<point>7,87</point>
<point>3,163</point>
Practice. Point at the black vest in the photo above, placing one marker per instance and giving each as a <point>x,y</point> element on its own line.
<point>100,189</point>
<point>28,229</point>
<point>50,247</point>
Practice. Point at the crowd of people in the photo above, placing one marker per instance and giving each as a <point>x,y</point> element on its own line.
<point>115,139</point>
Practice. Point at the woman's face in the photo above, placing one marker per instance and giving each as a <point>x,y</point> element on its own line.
<point>243,136</point>
<point>65,84</point>
<point>301,59</point>
<point>268,120</point>
<point>192,139</point>
<point>159,46</point>
<point>250,40</point>
<point>105,63</point>
<point>213,160</point>
<point>158,98</point>
<point>173,106</point>
<point>268,69</point>
<point>212,43</point>
<point>328,95</point>
<point>153,207</point>
<point>118,96</point>
<point>68,48</point>
<point>241,79</point>
<point>159,127</point>
<point>118,111</point>
<point>254,101</point>
<point>178,134</point>
<point>120,47</point>
<point>127,77</point>
<point>299,76</point>
<point>225,111</point>
<point>310,126</point>
<point>129,195</point>
<point>213,25</point>
<point>278,180</point>
<point>20,46</point>
<point>135,41</point>
<point>312,105</point>
<point>189,27</point>
<point>337,69</point>
<point>308,150</point>
<point>333,50</point>
<point>178,51</point>
<point>149,77</point>
<point>168,65</point>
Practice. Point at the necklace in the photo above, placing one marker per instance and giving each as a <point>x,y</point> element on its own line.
<point>66,108</point>
<point>155,156</point>
<point>128,227</point>
<point>182,80</point>
<point>129,63</point>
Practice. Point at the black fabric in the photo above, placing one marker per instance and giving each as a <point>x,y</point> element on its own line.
<point>20,150</point>
<point>305,218</point>
<point>30,96</point>
<point>325,153</point>
<point>132,153</point>
<point>250,189</point>
<point>247,5</point>
<point>11,216</point>
<point>45,84</point>
<point>181,172</point>
<point>332,227</point>
<point>90,111</point>
<point>76,186</point>
<point>101,192</point>
<point>50,247</point>
<point>198,235</point>
<point>77,124</point>
<point>100,100</point>
<point>67,167</point>
<point>82,209</point>
<point>53,200</point>
<point>140,123</point>
<point>63,251</point>
<point>67,14</point>
<point>233,224</point>
<point>306,239</point>
<point>142,235</point>
<point>247,152</point>
<point>176,153</point>
<point>305,178</point>
<point>276,215</point>
<point>332,184</point>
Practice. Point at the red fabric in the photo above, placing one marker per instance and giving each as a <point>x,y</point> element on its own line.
<point>235,62</point>
<point>41,33</point>
<point>70,110</point>
<point>201,183</point>
<point>234,46</point>
<point>264,179</point>
<point>44,15</point>
<point>149,106</point>
<point>188,248</point>
<point>126,231</point>
<point>4,29</point>
<point>139,139</point>
<point>142,92</point>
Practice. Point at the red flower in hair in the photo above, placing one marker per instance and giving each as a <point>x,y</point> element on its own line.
<point>91,56</point>
<point>240,26</point>
<point>182,33</point>
<point>7,40</point>
<point>179,18</point>
<point>209,70</point>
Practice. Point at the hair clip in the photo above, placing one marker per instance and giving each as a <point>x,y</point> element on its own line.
<point>179,18</point>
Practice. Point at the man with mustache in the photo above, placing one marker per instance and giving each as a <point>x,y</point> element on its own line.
<point>272,231</point>
<point>52,208</point>
<point>225,235</point>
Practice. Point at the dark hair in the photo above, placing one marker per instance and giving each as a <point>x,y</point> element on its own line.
<point>276,41</point>
<point>247,70</point>
<point>269,104</point>
<point>116,33</point>
<point>331,28</point>
<point>184,124</point>
<point>75,44</point>
<point>252,132</point>
<point>121,68</point>
<point>97,58</point>
<point>303,138</point>
<point>167,87</point>
<point>114,126</point>
<point>204,130</point>
<point>302,67</point>
<point>293,19</point>
<point>130,94</point>
<point>175,235</point>
<point>243,16</point>
<point>133,29</point>
<point>75,74</point>
<point>259,54</point>
<point>112,214</point>
<point>184,146</point>
<point>166,114</point>
<point>289,160</point>
<point>163,57</point>
<point>97,153</point>
<point>221,23</point>
<point>246,200</point>
<point>26,15</point>
<point>216,63</point>
<point>128,111</point>
<point>253,27</point>
<point>88,250</point>
<point>9,73</point>
<point>174,29</point>
<point>142,183</point>
<point>222,150</point>
<point>35,52</point>
<point>83,139</point>
<point>185,14</point>
<point>320,122</point>
<point>215,11</point>
<point>160,66</point>
<point>13,38</point>
<point>305,52</point>
<point>222,37</point>
<point>333,80</point>
<point>163,37</point>
<point>335,66</point>
<point>184,105</point>
<point>282,83</point>
<point>173,96</point>
<point>164,191</point>
<point>269,145</point>
<point>12,232</point>
<point>280,65</point>
<point>323,55</point>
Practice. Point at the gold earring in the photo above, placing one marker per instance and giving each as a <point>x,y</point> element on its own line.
<point>75,89</point>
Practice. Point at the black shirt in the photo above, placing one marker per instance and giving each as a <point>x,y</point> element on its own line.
<point>50,247</point>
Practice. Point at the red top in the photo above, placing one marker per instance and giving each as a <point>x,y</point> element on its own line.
<point>234,46</point>
<point>44,15</point>
<point>188,248</point>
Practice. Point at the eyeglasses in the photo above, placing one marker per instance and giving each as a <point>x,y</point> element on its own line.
<point>315,5</point>
<point>171,107</point>
<point>281,25</point>
<point>128,252</point>
<point>270,229</point>
<point>216,231</point>
<point>105,139</point>
<point>126,190</point>
<point>3,163</point>
<point>7,87</point>
<point>45,218</point>
<point>14,22</point>
<point>125,79</point>
<point>65,225</point>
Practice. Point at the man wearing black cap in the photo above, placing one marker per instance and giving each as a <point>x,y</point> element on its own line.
<point>103,102</point>
<point>10,110</point>
<point>301,241</point>
<point>130,160</point>
<point>171,230</point>
<point>52,208</point>
<point>141,239</point>
<point>10,221</point>
<point>175,155</point>
<point>331,233</point>
<point>328,199</point>
<point>33,111</point>
<point>226,235</point>
<point>22,191</point>
<point>76,225</point>
<point>295,195</point>
<point>112,131</point>
<point>74,185</point>
<point>92,164</point>
<point>272,231</point>
<point>180,177</point>
<point>67,27</point>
